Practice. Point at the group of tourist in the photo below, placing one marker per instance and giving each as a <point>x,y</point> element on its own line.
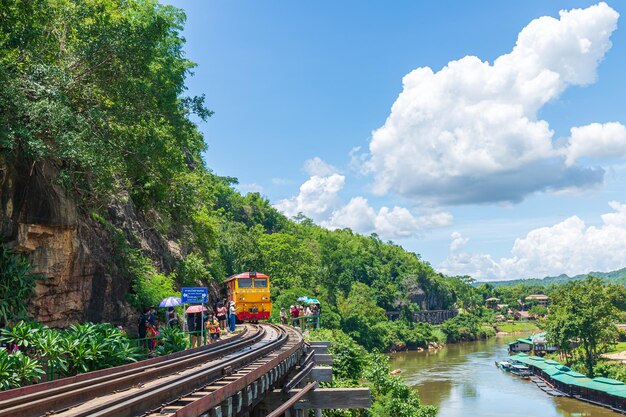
<point>221,318</point>
<point>210,323</point>
<point>147,328</point>
<point>303,317</point>
<point>195,323</point>
<point>216,321</point>
<point>226,315</point>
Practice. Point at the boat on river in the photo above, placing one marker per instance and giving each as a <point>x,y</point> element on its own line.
<point>517,369</point>
<point>522,371</point>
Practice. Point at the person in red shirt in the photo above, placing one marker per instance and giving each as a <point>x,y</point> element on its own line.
<point>293,311</point>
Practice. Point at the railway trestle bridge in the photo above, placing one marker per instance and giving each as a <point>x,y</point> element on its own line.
<point>266,370</point>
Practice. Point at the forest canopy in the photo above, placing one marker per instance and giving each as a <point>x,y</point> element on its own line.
<point>96,89</point>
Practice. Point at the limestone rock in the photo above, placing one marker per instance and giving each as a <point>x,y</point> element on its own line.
<point>74,252</point>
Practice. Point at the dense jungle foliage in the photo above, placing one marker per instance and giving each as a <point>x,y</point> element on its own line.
<point>40,350</point>
<point>37,351</point>
<point>97,89</point>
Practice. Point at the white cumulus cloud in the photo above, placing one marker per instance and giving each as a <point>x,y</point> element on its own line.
<point>458,241</point>
<point>319,199</point>
<point>571,247</point>
<point>435,219</point>
<point>596,140</point>
<point>469,133</point>
<point>389,223</point>
<point>316,166</point>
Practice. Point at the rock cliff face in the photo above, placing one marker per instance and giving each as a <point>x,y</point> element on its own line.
<point>67,247</point>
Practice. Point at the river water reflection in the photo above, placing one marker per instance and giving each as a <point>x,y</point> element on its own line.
<point>462,380</point>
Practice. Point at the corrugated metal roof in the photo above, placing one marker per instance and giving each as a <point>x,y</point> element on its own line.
<point>247,275</point>
<point>565,375</point>
<point>609,381</point>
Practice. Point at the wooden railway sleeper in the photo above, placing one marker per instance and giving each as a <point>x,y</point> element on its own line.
<point>139,403</point>
<point>62,398</point>
<point>254,389</point>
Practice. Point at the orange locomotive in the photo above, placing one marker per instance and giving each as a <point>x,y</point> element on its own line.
<point>251,293</point>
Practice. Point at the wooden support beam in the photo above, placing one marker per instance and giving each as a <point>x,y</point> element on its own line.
<point>323,359</point>
<point>320,343</point>
<point>320,349</point>
<point>322,374</point>
<point>323,398</point>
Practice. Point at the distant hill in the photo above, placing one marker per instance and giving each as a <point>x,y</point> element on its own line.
<point>615,277</point>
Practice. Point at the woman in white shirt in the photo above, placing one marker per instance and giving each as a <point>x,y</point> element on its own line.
<point>232,316</point>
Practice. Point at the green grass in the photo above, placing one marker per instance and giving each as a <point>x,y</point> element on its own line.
<point>620,347</point>
<point>517,327</point>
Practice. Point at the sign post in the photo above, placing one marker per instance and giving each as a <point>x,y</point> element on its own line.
<point>196,295</point>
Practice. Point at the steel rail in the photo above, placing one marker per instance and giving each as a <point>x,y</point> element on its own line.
<point>46,386</point>
<point>222,393</point>
<point>64,396</point>
<point>154,397</point>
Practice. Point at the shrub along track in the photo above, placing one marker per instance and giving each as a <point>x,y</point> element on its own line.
<point>146,386</point>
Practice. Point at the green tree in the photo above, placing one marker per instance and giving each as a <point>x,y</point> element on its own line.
<point>394,399</point>
<point>581,320</point>
<point>538,311</point>
<point>288,260</point>
<point>362,319</point>
<point>467,295</point>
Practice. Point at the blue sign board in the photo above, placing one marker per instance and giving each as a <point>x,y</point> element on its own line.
<point>193,295</point>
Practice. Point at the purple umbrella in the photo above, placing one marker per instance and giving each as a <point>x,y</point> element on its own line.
<point>170,302</point>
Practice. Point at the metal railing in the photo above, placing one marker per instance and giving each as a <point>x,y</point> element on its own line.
<point>306,322</point>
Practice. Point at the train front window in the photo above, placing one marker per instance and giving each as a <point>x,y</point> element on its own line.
<point>245,283</point>
<point>260,283</point>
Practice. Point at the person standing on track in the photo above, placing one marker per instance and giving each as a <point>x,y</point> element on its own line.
<point>152,316</point>
<point>213,328</point>
<point>143,326</point>
<point>232,316</point>
<point>194,326</point>
<point>222,312</point>
<point>293,310</point>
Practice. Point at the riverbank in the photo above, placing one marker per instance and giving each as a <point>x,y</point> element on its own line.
<point>460,379</point>
<point>517,327</point>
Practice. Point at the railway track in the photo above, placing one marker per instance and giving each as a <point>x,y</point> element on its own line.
<point>182,384</point>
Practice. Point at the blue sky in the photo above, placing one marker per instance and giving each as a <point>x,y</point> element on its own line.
<point>473,158</point>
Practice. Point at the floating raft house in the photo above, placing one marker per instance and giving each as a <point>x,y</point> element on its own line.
<point>605,392</point>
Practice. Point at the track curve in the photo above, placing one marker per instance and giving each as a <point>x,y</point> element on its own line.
<point>140,388</point>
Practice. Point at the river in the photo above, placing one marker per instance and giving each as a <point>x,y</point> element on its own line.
<point>462,380</point>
